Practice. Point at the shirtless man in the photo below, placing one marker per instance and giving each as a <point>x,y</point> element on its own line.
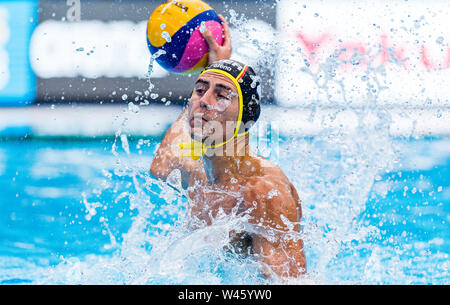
<point>221,171</point>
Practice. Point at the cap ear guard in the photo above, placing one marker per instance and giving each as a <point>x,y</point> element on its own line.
<point>252,114</point>
<point>251,87</point>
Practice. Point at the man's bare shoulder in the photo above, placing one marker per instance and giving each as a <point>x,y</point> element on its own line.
<point>270,189</point>
<point>267,174</point>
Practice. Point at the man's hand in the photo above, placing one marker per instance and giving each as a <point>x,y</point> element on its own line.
<point>217,52</point>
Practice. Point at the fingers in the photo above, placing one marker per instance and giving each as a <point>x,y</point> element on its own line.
<point>212,44</point>
<point>216,51</point>
<point>226,32</point>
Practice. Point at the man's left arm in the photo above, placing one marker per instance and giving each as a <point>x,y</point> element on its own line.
<point>282,249</point>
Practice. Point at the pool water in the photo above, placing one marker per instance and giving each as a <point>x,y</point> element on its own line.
<point>77,211</point>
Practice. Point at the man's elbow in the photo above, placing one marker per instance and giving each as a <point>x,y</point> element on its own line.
<point>157,170</point>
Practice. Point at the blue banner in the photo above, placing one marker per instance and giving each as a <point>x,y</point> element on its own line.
<point>17,80</point>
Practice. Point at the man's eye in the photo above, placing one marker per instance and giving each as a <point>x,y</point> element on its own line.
<point>225,96</point>
<point>200,91</point>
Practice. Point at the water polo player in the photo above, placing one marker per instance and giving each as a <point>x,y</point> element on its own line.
<point>209,144</point>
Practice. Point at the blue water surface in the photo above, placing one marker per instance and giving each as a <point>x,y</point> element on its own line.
<point>48,185</point>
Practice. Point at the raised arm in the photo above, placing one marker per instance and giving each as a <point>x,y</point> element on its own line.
<point>168,158</point>
<point>168,155</point>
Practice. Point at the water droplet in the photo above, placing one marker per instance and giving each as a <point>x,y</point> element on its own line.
<point>273,193</point>
<point>202,27</point>
<point>440,40</point>
<point>166,36</point>
<point>133,108</point>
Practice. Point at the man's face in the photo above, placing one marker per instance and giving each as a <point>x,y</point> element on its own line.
<point>213,109</point>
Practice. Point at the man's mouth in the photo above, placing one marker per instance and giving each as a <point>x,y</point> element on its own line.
<point>198,120</point>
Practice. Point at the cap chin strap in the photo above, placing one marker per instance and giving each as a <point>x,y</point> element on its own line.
<point>199,149</point>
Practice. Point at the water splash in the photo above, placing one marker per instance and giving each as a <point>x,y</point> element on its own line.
<point>166,36</point>
<point>334,173</point>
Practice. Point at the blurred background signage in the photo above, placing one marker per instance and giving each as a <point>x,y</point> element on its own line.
<point>351,52</point>
<point>17,81</point>
<point>96,51</point>
<point>309,53</point>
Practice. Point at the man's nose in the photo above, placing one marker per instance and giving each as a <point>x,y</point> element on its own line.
<point>199,106</point>
<point>203,105</point>
<point>207,99</point>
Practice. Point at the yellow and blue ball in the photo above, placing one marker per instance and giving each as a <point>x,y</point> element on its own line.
<point>174,30</point>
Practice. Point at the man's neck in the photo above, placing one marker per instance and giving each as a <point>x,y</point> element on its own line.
<point>226,161</point>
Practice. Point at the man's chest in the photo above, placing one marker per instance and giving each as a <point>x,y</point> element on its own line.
<point>206,200</point>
